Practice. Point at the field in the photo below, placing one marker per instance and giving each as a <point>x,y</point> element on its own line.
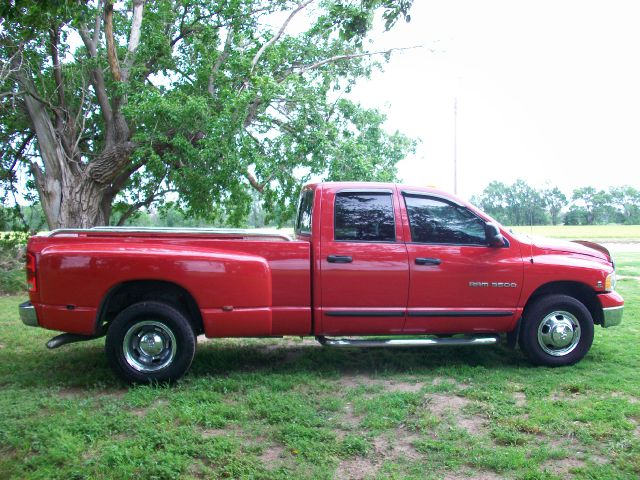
<point>598,233</point>
<point>288,408</point>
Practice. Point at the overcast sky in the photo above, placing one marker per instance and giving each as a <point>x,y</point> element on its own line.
<point>547,91</point>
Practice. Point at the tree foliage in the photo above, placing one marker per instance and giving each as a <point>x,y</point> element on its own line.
<point>108,108</point>
<point>521,204</point>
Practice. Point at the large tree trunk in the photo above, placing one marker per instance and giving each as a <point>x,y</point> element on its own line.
<point>81,205</point>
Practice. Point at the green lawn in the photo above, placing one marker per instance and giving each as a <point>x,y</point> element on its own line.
<point>290,409</point>
<point>601,233</point>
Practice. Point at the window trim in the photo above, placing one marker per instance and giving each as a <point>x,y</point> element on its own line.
<point>368,191</point>
<point>441,198</point>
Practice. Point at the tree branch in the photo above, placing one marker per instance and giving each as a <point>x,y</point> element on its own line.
<point>277,36</point>
<point>337,58</point>
<point>91,43</point>
<point>112,54</point>
<point>219,61</point>
<point>253,181</point>
<point>134,38</point>
<point>54,36</point>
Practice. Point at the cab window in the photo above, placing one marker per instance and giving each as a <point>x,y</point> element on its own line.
<point>305,211</point>
<point>434,220</point>
<point>364,217</point>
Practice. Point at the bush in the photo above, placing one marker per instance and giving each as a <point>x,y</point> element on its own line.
<point>12,252</point>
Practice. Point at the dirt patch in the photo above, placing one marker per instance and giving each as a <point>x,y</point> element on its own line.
<point>271,456</point>
<point>71,393</point>
<point>393,386</point>
<point>400,447</point>
<point>563,395</point>
<point>520,399</point>
<point>441,405</point>
<point>139,412</point>
<point>356,469</point>
<point>355,381</point>
<point>578,458</point>
<point>636,431</point>
<point>474,425</point>
<point>475,475</point>
<point>403,448</point>
<point>142,412</point>
<point>562,467</point>
<point>218,432</point>
<point>2,345</point>
<point>629,398</point>
<point>448,381</point>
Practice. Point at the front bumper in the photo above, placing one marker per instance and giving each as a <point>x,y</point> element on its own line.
<point>28,314</point>
<point>612,316</point>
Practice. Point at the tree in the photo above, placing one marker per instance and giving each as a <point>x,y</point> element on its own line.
<point>627,200</point>
<point>515,204</point>
<point>109,109</point>
<point>555,201</point>
<point>493,200</point>
<point>595,205</point>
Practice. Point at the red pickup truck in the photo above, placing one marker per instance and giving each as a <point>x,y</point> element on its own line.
<point>391,264</point>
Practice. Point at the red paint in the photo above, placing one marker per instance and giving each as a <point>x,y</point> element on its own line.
<point>252,286</point>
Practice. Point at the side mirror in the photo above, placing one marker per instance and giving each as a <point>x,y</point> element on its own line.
<point>494,237</point>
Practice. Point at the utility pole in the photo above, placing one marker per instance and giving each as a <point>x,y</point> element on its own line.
<point>455,146</point>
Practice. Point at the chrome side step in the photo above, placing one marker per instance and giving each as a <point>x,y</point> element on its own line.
<point>409,342</point>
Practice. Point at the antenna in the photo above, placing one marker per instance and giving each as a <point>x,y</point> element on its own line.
<point>455,145</point>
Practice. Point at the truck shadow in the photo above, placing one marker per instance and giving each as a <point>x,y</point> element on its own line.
<point>84,366</point>
<point>212,359</point>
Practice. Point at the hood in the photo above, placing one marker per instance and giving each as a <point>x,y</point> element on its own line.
<point>582,247</point>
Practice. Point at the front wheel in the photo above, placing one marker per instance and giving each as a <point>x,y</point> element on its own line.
<point>557,330</point>
<point>150,342</point>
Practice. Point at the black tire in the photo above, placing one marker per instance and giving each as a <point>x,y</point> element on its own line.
<point>545,329</point>
<point>138,332</point>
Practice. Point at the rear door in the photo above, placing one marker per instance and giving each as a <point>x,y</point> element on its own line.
<point>364,269</point>
<point>459,284</point>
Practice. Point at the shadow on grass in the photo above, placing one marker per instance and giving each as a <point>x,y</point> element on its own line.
<point>84,366</point>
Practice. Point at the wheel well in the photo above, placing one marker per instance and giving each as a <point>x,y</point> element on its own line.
<point>577,290</point>
<point>126,294</point>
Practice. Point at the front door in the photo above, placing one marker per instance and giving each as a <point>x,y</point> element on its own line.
<point>364,271</point>
<point>459,284</point>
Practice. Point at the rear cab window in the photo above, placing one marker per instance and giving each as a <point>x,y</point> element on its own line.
<point>305,213</point>
<point>364,217</point>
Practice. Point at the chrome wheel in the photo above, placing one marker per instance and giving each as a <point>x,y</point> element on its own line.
<point>559,333</point>
<point>149,346</point>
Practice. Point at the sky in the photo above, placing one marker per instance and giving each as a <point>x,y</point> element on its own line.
<point>546,91</point>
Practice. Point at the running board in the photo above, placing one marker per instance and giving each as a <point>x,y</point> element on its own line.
<point>409,342</point>
<point>65,338</point>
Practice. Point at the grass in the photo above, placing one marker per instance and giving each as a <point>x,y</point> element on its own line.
<point>289,409</point>
<point>602,233</point>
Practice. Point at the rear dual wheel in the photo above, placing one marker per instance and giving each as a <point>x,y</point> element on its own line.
<point>150,342</point>
<point>557,330</point>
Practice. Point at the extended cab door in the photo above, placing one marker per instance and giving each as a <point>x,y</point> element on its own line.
<point>459,284</point>
<point>363,264</point>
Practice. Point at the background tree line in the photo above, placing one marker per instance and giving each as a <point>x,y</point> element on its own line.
<point>522,204</point>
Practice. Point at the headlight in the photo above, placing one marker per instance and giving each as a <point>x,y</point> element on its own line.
<point>610,282</point>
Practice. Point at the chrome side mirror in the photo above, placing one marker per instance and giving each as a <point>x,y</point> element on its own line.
<point>493,235</point>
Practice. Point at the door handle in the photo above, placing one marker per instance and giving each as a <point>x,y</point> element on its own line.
<point>427,261</point>
<point>339,259</point>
